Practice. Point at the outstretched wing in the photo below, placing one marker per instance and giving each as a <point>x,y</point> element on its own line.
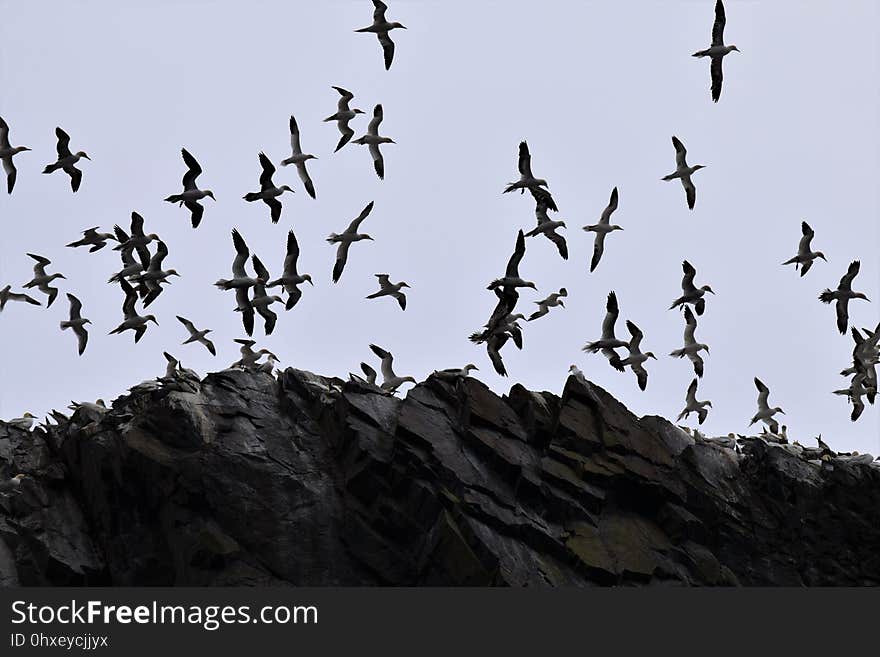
<point>718,26</point>
<point>192,172</point>
<point>354,226</point>
<point>518,253</point>
<point>268,172</point>
<point>63,146</point>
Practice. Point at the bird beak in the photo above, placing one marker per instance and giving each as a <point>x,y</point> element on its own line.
<point>310,282</point>
<point>562,304</point>
<point>86,156</point>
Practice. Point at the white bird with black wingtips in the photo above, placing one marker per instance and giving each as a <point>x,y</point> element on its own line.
<point>691,293</point>
<point>132,321</point>
<point>701,408</point>
<point>191,194</point>
<point>805,255</point>
<point>343,115</point>
<point>381,27</point>
<point>77,322</point>
<point>7,295</point>
<point>684,172</point>
<point>842,296</point>
<point>691,347</point>
<point>717,50</point>
<point>299,159</point>
<point>345,239</point>
<point>609,342</point>
<point>390,381</point>
<point>289,278</point>
<point>765,413</point>
<point>389,289</point>
<point>602,229</point>
<point>93,239</point>
<point>373,139</point>
<point>67,160</point>
<point>196,335</point>
<point>269,192</point>
<point>41,279</point>
<point>636,358</point>
<point>7,151</point>
<point>544,305</point>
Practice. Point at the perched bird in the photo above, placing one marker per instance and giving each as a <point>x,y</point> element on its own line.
<point>195,335</point>
<point>526,179</point>
<point>692,294</point>
<point>842,295</point>
<point>544,305</point>
<point>345,239</point>
<point>25,422</point>
<point>132,321</point>
<point>343,115</point>
<point>683,172</point>
<point>92,238</point>
<point>41,279</point>
<point>261,299</point>
<point>298,158</point>
<point>636,358</point>
<point>575,371</point>
<point>381,28</point>
<point>608,342</point>
<point>602,229</point>
<point>268,193</point>
<point>373,139</point>
<point>191,194</point>
<point>7,151</point>
<point>6,295</point>
<point>765,413</point>
<point>13,483</point>
<point>138,240</point>
<point>153,277</point>
<point>691,347</point>
<point>249,358</point>
<point>389,289</point>
<point>854,394</point>
<point>77,322</point>
<point>694,406</point>
<point>454,375</point>
<point>390,381</point>
<point>511,278</point>
<point>290,279</point>
<point>130,266</point>
<point>717,50</point>
<point>804,258</point>
<point>547,228</point>
<point>67,160</point>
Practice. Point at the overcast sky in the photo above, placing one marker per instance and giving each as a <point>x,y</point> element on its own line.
<point>597,89</point>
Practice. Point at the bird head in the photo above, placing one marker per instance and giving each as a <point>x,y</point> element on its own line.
<point>410,379</point>
<point>735,48</point>
<point>208,192</point>
<point>364,236</point>
<point>469,367</point>
<point>541,182</point>
<point>87,321</point>
<point>358,111</point>
<point>706,288</point>
<point>393,25</point>
<point>59,276</point>
<point>152,318</point>
<point>699,166</point>
<point>778,410</point>
<point>308,277</point>
<point>531,285</point>
<point>707,403</point>
<point>819,254</point>
<point>561,303</point>
<point>311,157</point>
<point>286,188</point>
<point>21,149</point>
<point>860,295</point>
<point>153,237</point>
<point>650,354</point>
<point>172,272</point>
<point>615,227</point>
<point>83,154</point>
<point>275,297</point>
<point>28,415</point>
<point>404,284</point>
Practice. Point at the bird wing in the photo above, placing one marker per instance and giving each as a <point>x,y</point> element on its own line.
<point>763,394</point>
<point>598,250</point>
<point>680,152</point>
<point>507,300</point>
<point>690,191</point>
<point>344,97</point>
<point>518,253</point>
<point>63,147</point>
<point>260,268</point>
<point>690,326</point>
<point>373,127</point>
<point>269,318</point>
<point>378,161</point>
<point>842,308</point>
<point>354,226</point>
<point>75,306</point>
<point>369,372</point>
<point>559,241</point>
<point>692,393</point>
<point>609,210</point>
<point>241,255</point>
<point>193,170</point>
<point>387,362</point>
<point>636,334</point>
<point>401,299</point>
<point>384,282</point>
<point>4,135</point>
<point>341,259</point>
<point>156,261</point>
<point>525,160</point>
<point>130,299</point>
<point>11,173</point>
<point>268,171</point>
<point>717,73</point>
<point>82,337</point>
<point>196,211</point>
<point>641,375</point>
<point>379,11</point>
<point>294,137</point>
<point>612,311</point>
<point>137,225</point>
<point>697,360</point>
<point>543,197</point>
<point>40,267</point>
<point>804,244</point>
<point>687,281</point>
<point>718,26</point>
<point>188,324</point>
<point>75,177</point>
<point>274,208</point>
<point>292,254</point>
<point>846,281</point>
<point>387,48</point>
<point>305,178</point>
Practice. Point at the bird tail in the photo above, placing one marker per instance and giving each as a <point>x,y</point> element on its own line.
<point>223,284</point>
<point>678,353</point>
<point>252,196</point>
<point>174,198</point>
<point>50,168</point>
<point>827,296</point>
<point>65,325</point>
<point>671,176</point>
<point>591,347</point>
<point>333,238</point>
<point>791,261</point>
<point>477,338</point>
<point>510,187</point>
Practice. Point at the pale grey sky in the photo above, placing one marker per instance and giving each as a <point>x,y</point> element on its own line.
<point>597,89</point>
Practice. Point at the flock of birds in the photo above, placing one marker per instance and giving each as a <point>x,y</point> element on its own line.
<point>142,275</point>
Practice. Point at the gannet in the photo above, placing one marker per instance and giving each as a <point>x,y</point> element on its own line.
<point>636,358</point>
<point>526,179</point>
<point>544,305</point>
<point>804,258</point>
<point>132,321</point>
<point>249,358</point>
<point>602,229</point>
<point>842,295</point>
<point>41,280</point>
<point>765,413</point>
<point>67,160</point>
<point>92,238</point>
<point>389,289</point>
<point>240,278</point>
<point>373,139</point>
<point>692,294</point>
<point>12,484</point>
<point>453,375</point>
<point>191,194</point>
<point>130,266</point>
<point>154,275</point>
<point>547,227</point>
<point>261,299</point>
<point>195,335</point>
<point>343,115</point>
<point>99,407</point>
<point>268,193</point>
<point>511,276</point>
<point>6,295</point>
<point>390,381</point>
<point>25,422</point>
<point>608,342</point>
<point>694,406</point>
<point>77,322</point>
<point>854,394</point>
<point>289,278</point>
<point>7,151</point>
<point>299,158</point>
<point>369,372</point>
<point>345,239</point>
<point>691,347</point>
<point>501,327</point>
<point>575,371</point>
<point>138,240</point>
<point>381,28</point>
<point>684,172</point>
<point>717,50</point>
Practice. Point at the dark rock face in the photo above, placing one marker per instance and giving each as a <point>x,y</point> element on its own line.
<point>303,480</point>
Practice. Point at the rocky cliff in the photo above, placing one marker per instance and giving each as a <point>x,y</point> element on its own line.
<point>252,479</point>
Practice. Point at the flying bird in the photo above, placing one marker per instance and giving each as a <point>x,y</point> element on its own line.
<point>544,305</point>
<point>526,179</point>
<point>241,282</point>
<point>691,347</point>
<point>636,358</point>
<point>290,279</point>
<point>154,276</point>
<point>130,266</point>
<point>92,238</point>
<point>7,151</point>
<point>683,172</point>
<point>381,27</point>
<point>854,393</point>
<point>132,321</point>
<point>692,294</point>
<point>268,193</point>
<point>701,408</point>
<point>191,194</point>
<point>67,160</point>
<point>6,295</point>
<point>41,279</point>
<point>547,228</point>
<point>389,289</point>
<point>602,229</point>
<point>390,381</point>
<point>261,299</point>
<point>717,50</point>
<point>373,139</point>
<point>608,342</point>
<point>343,115</point>
<point>345,239</point>
<point>842,295</point>
<point>77,322</point>
<point>805,256</point>
<point>138,240</point>
<point>196,335</point>
<point>298,158</point>
<point>511,278</point>
<point>765,413</point>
